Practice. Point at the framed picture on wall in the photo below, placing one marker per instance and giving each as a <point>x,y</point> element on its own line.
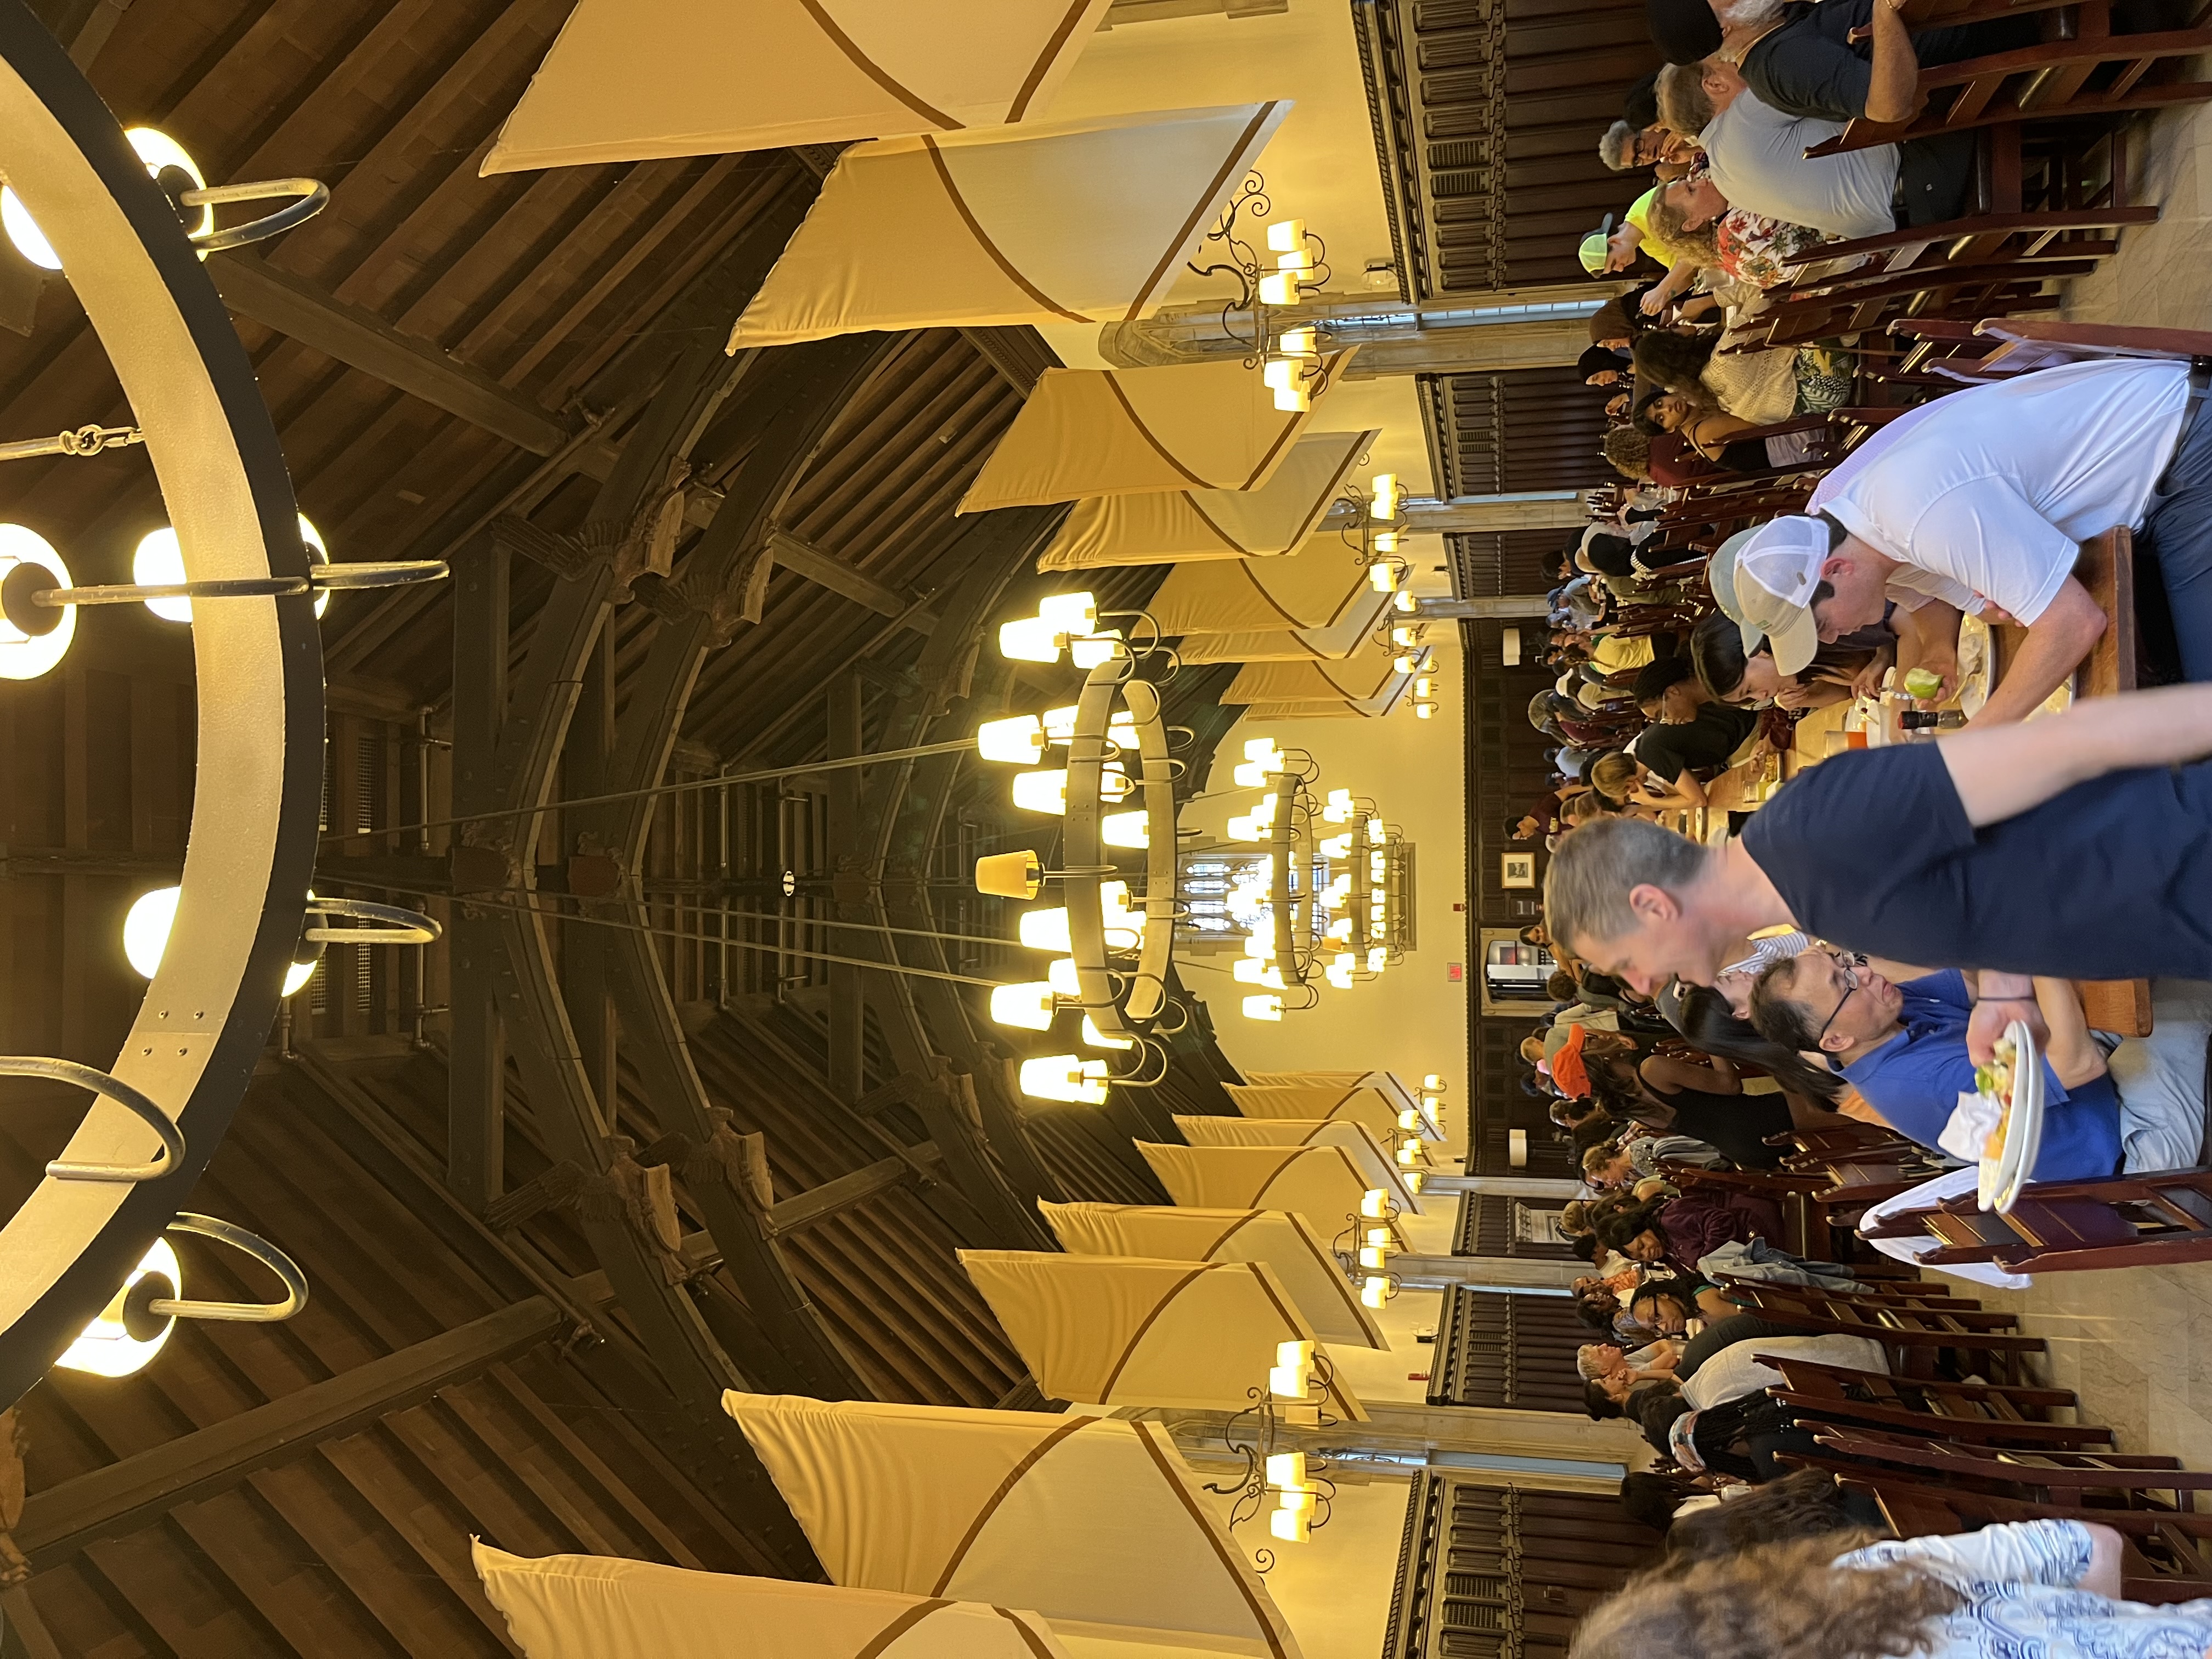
<point>1517,869</point>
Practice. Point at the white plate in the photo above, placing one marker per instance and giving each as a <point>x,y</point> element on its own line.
<point>2002,1176</point>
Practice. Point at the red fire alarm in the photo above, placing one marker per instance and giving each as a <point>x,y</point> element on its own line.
<point>1456,973</point>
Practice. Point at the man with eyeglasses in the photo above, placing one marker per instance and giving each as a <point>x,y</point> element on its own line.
<point>2078,846</point>
<point>1903,1047</point>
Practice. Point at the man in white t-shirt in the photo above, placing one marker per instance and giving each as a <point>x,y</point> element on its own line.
<point>1980,500</point>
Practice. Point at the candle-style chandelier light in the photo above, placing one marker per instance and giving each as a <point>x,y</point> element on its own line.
<point>1287,353</point>
<point>1291,1487</point>
<point>89,1278</point>
<point>1109,945</point>
<point>1323,900</point>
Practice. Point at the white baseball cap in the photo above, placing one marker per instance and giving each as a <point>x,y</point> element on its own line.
<point>1777,566</point>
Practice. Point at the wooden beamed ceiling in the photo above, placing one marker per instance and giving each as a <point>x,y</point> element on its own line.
<point>484,371</point>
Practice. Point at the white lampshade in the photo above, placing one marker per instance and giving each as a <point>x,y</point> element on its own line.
<point>1383,576</point>
<point>1376,832</point>
<point>155,148</point>
<point>1424,686</point>
<point>1041,791</point>
<point>1292,400</point>
<point>158,563</point>
<point>1375,1202</point>
<point>1386,541</point>
<point>1388,496</point>
<point>1260,749</point>
<point>26,656</point>
<point>1125,830</point>
<point>1088,654</point>
<point>1260,946</point>
<point>1060,975</point>
<point>1375,1291</point>
<point>1405,635</point>
<point>1409,1119</point>
<point>1263,1007</point>
<point>1296,1352</point>
<point>1071,613</point>
<point>107,1349</point>
<point>1045,930</point>
<point>1431,1103</point>
<point>1279,287</point>
<point>1031,639</point>
<point>1287,1381</point>
<point>1379,1236</point>
<point>146,929</point>
<point>1373,1255</point>
<point>1299,260</point>
<point>1413,1179</point>
<point>1339,977</point>
<point>1406,601</point>
<point>1018,739</point>
<point>1425,711</point>
<point>1286,235</point>
<point>1300,342</point>
<point>1290,1526</point>
<point>1066,1077</point>
<point>1378,958</point>
<point>1028,1006</point>
<point>1249,774</point>
<point>1434,1081</point>
<point>1251,970</point>
<point>1095,1038</point>
<point>1243,827</point>
<point>1114,783</point>
<point>1286,1471</point>
<point>299,974</point>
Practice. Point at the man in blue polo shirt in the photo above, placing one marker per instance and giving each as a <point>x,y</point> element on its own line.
<point>2078,846</point>
<point>1904,1048</point>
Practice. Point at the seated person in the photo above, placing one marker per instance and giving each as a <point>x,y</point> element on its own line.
<point>1837,673</point>
<point>1727,440</point>
<point>1692,735</point>
<point>1806,62</point>
<point>1608,1362</point>
<point>1621,1165</point>
<point>1737,1124</point>
<point>1665,459</point>
<point>1681,1232</point>
<point>1738,1369</point>
<point>1903,1047</point>
<point>1750,247</point>
<point>1739,1437</point>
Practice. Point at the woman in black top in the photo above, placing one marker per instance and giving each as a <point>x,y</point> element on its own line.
<point>1665,1094</point>
<point>1691,733</point>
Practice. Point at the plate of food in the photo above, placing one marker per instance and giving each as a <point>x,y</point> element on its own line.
<point>1976,665</point>
<point>2012,1083</point>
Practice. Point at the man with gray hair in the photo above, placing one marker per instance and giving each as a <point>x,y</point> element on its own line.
<point>2075,846</point>
<point>1756,155</point>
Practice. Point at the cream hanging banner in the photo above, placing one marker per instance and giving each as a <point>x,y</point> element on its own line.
<point>1074,222</point>
<point>635,79</point>
<point>1368,682</point>
<point>1320,645</point>
<point>1370,1151</point>
<point>1322,1094</point>
<point>1352,1103</point>
<point>1128,431</point>
<point>1295,1253</point>
<point>1318,586</point>
<point>1179,526</point>
<point>1089,1521</point>
<point>1324,1184</point>
<point>599,1606</point>
<point>1112,1330</point>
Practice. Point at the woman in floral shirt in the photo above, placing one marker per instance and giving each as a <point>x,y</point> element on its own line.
<point>2031,1589</point>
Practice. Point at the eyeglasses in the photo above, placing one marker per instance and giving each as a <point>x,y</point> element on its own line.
<point>1851,984</point>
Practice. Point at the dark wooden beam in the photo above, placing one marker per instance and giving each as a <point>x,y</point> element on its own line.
<point>118,1499</point>
<point>820,1203</point>
<point>361,339</point>
<point>826,569</point>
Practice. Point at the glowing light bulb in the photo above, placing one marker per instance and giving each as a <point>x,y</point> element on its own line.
<point>1260,946</point>
<point>1097,1039</point>
<point>1263,1007</point>
<point>1262,750</point>
<point>1375,1291</point>
<point>1406,601</point>
<point>1409,1119</point>
<point>157,149</point>
<point>1125,830</point>
<point>1378,1236</point>
<point>146,929</point>
<point>1377,960</point>
<point>25,656</point>
<point>1376,832</point>
<point>1031,639</point>
<point>1373,1256</point>
<point>1278,287</point>
<point>1404,662</point>
<point>1060,974</point>
<point>1285,235</point>
<point>1071,613</point>
<point>1286,1471</point>
<point>1383,577</point>
<point>1019,740</point>
<point>1045,930</point>
<point>1424,686</point>
<point>1375,1202</point>
<point>1435,1081</point>
<point>1425,711</point>
<point>1388,496</point>
<point>1386,541</point>
<point>1089,653</point>
<point>1028,1006</point>
<point>1290,1526</point>
<point>1244,827</point>
<point>1066,1077</point>
<point>1300,343</point>
<point>1041,791</point>
<point>107,1346</point>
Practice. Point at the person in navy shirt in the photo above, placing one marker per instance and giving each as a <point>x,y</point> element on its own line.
<point>2075,846</point>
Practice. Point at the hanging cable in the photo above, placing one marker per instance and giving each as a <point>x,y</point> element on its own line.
<point>717,782</point>
<point>497,902</point>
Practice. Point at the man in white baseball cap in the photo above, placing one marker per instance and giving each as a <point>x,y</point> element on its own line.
<point>1980,502</point>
